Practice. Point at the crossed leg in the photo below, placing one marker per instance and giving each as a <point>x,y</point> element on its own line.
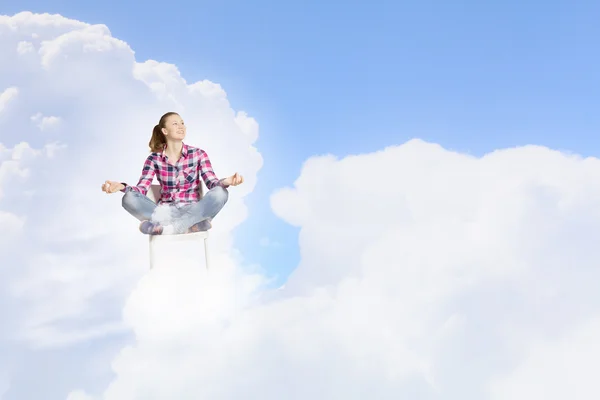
<point>190,218</point>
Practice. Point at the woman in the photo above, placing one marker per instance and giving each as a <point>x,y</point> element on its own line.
<point>178,168</point>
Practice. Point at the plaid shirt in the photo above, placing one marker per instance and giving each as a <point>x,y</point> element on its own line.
<point>179,183</point>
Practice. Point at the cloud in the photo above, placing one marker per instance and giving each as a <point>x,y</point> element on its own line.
<point>556,369</point>
<point>74,253</point>
<point>6,96</point>
<point>79,395</point>
<point>24,47</point>
<point>458,278</point>
<point>267,242</point>
<point>15,162</point>
<point>45,123</point>
<point>11,222</point>
<point>248,125</point>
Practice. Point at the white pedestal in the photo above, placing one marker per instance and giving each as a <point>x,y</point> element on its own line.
<point>189,247</point>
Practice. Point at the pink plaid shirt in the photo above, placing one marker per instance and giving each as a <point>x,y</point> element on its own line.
<point>179,182</point>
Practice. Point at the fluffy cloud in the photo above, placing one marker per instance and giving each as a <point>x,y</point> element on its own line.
<point>13,169</point>
<point>425,273</point>
<point>6,96</point>
<point>77,253</point>
<point>44,122</point>
<point>553,369</point>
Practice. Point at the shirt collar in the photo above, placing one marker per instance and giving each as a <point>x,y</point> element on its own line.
<point>184,150</point>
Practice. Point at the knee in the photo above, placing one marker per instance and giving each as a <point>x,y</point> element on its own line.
<point>128,200</point>
<point>221,194</point>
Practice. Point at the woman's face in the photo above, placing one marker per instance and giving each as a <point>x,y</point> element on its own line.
<point>174,128</point>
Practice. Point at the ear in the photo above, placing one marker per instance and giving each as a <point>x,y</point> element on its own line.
<point>164,131</point>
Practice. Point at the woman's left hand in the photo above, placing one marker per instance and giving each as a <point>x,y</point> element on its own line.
<point>233,180</point>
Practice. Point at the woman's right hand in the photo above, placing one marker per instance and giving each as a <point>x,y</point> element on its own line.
<point>112,187</point>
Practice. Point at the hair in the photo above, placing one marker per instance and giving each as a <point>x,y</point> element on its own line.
<point>158,140</point>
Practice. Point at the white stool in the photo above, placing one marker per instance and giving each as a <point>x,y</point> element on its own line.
<point>154,195</point>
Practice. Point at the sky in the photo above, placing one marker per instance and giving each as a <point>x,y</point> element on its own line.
<point>421,177</point>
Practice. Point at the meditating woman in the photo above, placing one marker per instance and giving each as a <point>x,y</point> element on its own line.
<point>178,168</point>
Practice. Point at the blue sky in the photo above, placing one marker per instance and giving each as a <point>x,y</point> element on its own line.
<point>327,77</point>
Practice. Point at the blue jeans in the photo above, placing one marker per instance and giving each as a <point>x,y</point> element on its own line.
<point>181,217</point>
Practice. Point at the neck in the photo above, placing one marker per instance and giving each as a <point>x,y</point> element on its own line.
<point>174,147</point>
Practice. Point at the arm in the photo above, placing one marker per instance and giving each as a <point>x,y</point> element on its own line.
<point>207,173</point>
<point>146,178</point>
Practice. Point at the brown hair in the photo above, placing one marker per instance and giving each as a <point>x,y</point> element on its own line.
<point>158,140</point>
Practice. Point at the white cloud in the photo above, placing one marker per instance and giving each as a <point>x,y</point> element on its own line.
<point>10,222</point>
<point>14,162</point>
<point>248,125</point>
<point>209,89</point>
<point>92,39</point>
<point>79,253</point>
<point>267,242</point>
<point>6,96</point>
<point>24,47</point>
<point>45,123</point>
<point>557,369</point>
<point>434,284</point>
<point>79,395</point>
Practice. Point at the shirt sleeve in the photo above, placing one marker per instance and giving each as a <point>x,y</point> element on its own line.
<point>206,172</point>
<point>148,172</point>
